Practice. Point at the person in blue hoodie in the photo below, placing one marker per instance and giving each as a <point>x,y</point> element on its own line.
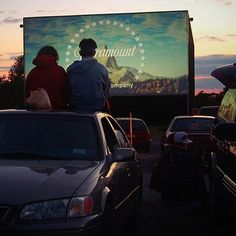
<point>89,80</point>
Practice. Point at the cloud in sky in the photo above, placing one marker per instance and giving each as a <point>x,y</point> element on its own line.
<point>216,59</point>
<point>11,20</point>
<point>211,38</point>
<point>9,56</point>
<point>47,12</point>
<point>224,2</point>
<point>7,12</point>
<point>232,36</point>
<point>221,2</point>
<point>4,68</point>
<point>206,64</point>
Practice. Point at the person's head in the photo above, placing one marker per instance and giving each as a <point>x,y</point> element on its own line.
<point>181,138</point>
<point>48,50</point>
<point>87,47</point>
<point>194,111</point>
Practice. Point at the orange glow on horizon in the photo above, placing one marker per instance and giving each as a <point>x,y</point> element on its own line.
<point>4,73</point>
<point>197,91</point>
<point>199,77</point>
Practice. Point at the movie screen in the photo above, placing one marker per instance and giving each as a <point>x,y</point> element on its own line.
<point>144,53</point>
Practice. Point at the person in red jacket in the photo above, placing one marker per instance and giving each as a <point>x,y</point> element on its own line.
<point>49,75</point>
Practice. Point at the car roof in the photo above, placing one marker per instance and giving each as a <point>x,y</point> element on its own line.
<point>194,117</point>
<point>209,107</point>
<point>44,112</point>
<point>128,118</point>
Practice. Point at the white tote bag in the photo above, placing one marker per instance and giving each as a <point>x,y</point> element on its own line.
<point>39,99</point>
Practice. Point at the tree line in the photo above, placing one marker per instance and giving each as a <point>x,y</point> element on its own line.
<point>12,86</point>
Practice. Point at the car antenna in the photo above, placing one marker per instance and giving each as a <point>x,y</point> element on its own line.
<point>131,128</point>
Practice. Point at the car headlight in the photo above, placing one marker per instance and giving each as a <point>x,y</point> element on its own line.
<point>56,209</point>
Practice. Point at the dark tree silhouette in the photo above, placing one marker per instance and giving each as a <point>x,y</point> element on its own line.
<point>3,78</point>
<point>12,90</point>
<point>206,99</point>
<point>17,70</point>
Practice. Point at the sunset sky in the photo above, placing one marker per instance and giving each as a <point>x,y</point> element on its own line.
<point>213,27</point>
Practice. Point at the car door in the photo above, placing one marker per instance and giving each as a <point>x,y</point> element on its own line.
<point>223,168</point>
<point>121,177</point>
<point>225,158</point>
<point>133,167</point>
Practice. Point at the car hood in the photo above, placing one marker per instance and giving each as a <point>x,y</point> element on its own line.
<point>226,75</point>
<point>34,180</point>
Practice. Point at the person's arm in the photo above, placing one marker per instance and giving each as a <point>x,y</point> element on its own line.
<point>65,88</point>
<point>107,85</point>
<point>27,86</point>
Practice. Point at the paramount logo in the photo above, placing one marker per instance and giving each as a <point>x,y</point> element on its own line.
<point>111,52</point>
<point>123,52</point>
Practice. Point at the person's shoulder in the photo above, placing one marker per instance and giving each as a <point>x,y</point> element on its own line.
<point>32,72</point>
<point>73,65</point>
<point>58,69</point>
<point>101,66</point>
<point>62,68</point>
<point>99,63</point>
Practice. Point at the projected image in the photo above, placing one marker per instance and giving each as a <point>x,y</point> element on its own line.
<point>144,53</point>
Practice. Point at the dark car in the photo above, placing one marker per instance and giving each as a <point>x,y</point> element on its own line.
<point>178,170</point>
<point>198,129</point>
<point>208,110</point>
<point>141,136</point>
<point>223,171</point>
<point>223,168</point>
<point>66,173</point>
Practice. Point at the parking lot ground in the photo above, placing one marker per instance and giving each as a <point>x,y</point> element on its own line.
<point>183,217</point>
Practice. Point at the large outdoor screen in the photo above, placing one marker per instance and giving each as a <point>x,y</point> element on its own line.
<point>144,53</point>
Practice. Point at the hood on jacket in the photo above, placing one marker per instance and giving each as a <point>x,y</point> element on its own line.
<point>80,66</point>
<point>44,60</point>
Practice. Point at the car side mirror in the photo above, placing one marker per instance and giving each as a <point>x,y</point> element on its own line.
<point>225,131</point>
<point>123,154</point>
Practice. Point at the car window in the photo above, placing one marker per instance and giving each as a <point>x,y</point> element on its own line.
<point>203,125</point>
<point>124,124</point>
<point>137,125</point>
<point>110,136</point>
<point>209,111</point>
<point>121,137</point>
<point>62,137</point>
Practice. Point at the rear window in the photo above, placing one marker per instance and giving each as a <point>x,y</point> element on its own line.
<point>137,125</point>
<point>193,125</point>
<point>60,137</point>
<point>209,111</point>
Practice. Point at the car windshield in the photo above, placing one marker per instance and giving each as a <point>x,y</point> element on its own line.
<point>136,124</point>
<point>193,125</point>
<point>48,137</point>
